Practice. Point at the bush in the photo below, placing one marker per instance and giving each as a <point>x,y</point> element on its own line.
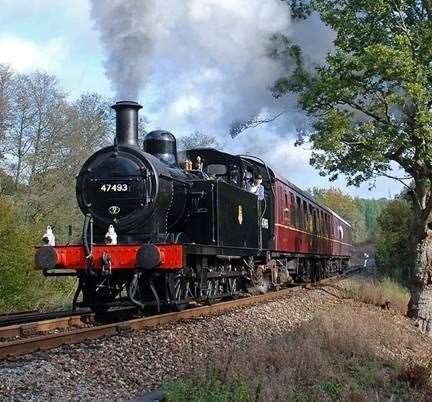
<point>20,286</point>
<point>205,389</point>
<point>385,293</point>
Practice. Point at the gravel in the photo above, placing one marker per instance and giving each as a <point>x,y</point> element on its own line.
<point>124,366</point>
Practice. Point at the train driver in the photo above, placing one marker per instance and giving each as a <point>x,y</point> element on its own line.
<point>257,188</point>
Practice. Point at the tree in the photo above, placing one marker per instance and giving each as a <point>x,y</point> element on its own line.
<point>346,207</point>
<point>393,251</point>
<point>47,139</point>
<point>6,79</point>
<point>370,107</point>
<point>197,140</point>
<point>371,209</point>
<point>7,185</point>
<point>37,125</point>
<point>52,198</point>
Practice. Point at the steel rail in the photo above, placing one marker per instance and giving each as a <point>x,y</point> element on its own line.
<point>29,328</point>
<point>33,316</point>
<point>16,314</point>
<point>50,341</point>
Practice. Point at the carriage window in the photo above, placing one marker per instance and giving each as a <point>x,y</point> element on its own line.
<point>305,214</point>
<point>340,232</point>
<point>299,213</point>
<point>285,208</point>
<point>293,210</point>
<point>281,205</point>
<point>310,218</point>
<point>315,223</point>
<point>322,223</point>
<point>327,224</point>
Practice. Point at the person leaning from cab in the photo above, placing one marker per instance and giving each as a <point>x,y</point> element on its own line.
<point>256,187</point>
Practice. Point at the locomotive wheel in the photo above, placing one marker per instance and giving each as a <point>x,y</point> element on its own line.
<point>265,285</point>
<point>234,286</point>
<point>180,286</point>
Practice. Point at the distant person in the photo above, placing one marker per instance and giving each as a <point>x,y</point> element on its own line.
<point>366,257</point>
<point>199,164</point>
<point>257,188</point>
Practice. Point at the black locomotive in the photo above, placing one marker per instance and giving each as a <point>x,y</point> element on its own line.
<point>164,228</point>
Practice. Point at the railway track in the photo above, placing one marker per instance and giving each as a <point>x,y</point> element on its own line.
<point>82,332</point>
<point>31,328</point>
<point>34,316</point>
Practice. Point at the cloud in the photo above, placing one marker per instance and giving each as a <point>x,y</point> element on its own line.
<point>24,55</point>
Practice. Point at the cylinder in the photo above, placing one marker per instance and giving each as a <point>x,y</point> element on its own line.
<point>127,122</point>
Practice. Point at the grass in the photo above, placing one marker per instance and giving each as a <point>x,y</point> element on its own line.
<point>334,357</point>
<point>385,293</point>
<point>209,389</point>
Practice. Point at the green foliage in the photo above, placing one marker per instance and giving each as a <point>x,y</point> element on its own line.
<point>379,292</point>
<point>44,139</point>
<point>7,185</point>
<point>285,52</point>
<point>394,255</point>
<point>300,9</point>
<point>370,102</point>
<point>332,389</point>
<point>205,389</point>
<point>20,286</point>
<point>15,257</point>
<point>371,209</point>
<point>345,206</point>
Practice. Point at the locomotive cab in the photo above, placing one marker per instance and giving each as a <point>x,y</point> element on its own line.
<point>229,176</point>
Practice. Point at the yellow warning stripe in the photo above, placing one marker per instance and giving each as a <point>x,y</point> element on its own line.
<point>311,234</point>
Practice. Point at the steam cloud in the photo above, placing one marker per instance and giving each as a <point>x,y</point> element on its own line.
<point>200,65</point>
<point>203,63</point>
<point>125,31</point>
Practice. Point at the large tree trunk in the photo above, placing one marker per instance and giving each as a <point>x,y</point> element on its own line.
<point>420,304</point>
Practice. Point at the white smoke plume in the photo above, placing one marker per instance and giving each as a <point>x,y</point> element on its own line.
<point>125,28</point>
<point>199,64</point>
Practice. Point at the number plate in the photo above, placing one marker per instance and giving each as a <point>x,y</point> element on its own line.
<point>114,188</point>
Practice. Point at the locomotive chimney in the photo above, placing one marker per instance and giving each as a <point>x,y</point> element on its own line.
<point>127,122</point>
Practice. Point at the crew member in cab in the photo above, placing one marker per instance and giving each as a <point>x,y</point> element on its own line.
<point>257,188</point>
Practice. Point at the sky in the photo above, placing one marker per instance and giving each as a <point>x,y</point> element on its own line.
<point>193,65</point>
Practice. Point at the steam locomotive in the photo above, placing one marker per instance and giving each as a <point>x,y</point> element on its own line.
<point>164,228</point>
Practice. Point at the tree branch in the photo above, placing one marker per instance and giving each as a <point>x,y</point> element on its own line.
<point>239,127</point>
<point>367,112</point>
<point>400,180</point>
